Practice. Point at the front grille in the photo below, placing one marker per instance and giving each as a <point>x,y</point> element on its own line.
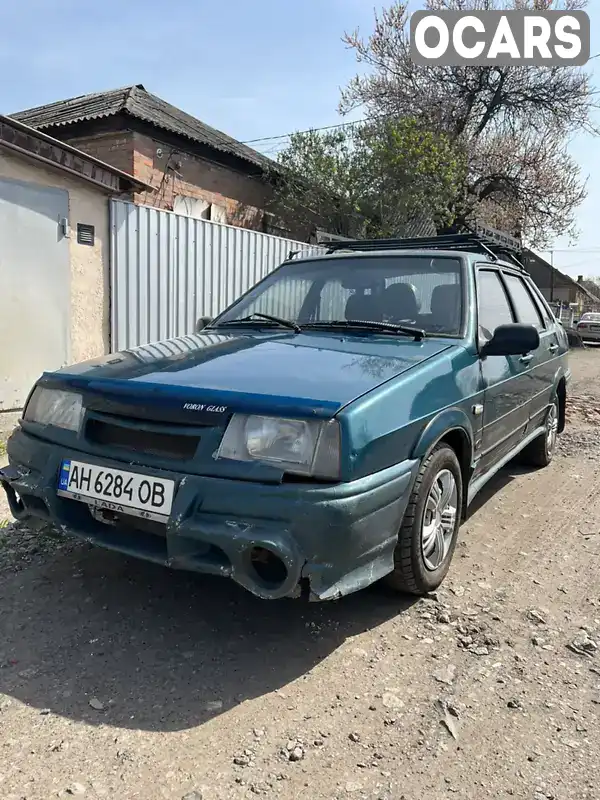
<point>140,440</point>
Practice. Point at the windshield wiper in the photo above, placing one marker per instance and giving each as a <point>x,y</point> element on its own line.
<point>407,330</point>
<point>285,323</point>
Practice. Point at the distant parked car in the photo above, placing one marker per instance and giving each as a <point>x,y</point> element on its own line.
<point>588,327</point>
<point>327,430</point>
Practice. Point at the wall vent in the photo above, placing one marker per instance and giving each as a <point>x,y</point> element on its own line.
<point>85,234</point>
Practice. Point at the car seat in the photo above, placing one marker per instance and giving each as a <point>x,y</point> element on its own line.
<point>445,307</point>
<point>400,303</point>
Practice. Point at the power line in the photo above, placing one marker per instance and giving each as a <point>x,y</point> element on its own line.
<point>341,124</point>
<point>332,127</point>
<point>570,250</point>
<point>308,130</point>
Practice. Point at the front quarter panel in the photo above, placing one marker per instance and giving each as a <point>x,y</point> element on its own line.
<point>405,416</point>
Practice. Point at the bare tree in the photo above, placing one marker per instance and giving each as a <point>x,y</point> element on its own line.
<point>513,124</point>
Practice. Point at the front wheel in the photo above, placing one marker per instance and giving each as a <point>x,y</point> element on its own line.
<point>429,530</point>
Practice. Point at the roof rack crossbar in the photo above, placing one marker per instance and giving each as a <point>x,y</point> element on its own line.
<point>421,242</point>
<point>516,261</point>
<point>489,251</point>
<point>470,242</point>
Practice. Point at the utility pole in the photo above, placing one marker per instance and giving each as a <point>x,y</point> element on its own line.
<point>551,276</point>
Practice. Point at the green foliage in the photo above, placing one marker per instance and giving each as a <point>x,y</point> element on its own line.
<point>370,179</point>
<point>321,181</point>
<point>416,173</point>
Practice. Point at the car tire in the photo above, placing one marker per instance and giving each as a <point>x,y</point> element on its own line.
<point>540,452</point>
<point>418,569</point>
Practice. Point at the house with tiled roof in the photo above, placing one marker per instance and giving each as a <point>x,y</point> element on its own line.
<point>559,288</point>
<point>593,293</point>
<point>192,168</point>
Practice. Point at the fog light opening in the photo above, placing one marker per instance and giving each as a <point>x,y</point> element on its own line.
<point>270,568</point>
<point>15,503</point>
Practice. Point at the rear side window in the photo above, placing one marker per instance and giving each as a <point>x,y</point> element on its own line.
<point>527,311</point>
<point>542,304</point>
<point>492,303</point>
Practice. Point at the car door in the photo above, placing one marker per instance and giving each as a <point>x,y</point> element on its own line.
<point>543,362</point>
<point>506,380</point>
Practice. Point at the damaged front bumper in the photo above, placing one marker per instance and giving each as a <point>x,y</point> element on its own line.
<point>276,540</point>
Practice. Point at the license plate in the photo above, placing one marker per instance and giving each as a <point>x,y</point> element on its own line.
<point>595,327</point>
<point>116,490</point>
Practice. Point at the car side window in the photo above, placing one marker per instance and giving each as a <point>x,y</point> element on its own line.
<point>542,305</point>
<point>492,303</point>
<point>527,311</point>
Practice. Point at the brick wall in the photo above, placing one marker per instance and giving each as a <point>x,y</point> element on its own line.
<point>115,148</point>
<point>239,198</point>
<point>177,173</point>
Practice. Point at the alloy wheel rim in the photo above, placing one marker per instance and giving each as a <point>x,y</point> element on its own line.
<point>439,520</point>
<point>551,428</point>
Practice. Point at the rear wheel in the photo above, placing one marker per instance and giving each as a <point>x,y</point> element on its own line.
<point>541,451</point>
<point>429,530</point>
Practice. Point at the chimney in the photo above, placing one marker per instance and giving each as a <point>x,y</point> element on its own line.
<point>579,278</point>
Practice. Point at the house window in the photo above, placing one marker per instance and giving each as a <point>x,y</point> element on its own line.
<point>193,207</point>
<point>218,214</point>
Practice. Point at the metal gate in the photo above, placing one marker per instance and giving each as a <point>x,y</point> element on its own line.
<point>34,287</point>
<point>167,270</point>
<point>564,313</point>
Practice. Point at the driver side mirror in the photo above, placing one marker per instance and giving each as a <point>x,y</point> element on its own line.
<point>512,340</point>
<point>202,323</point>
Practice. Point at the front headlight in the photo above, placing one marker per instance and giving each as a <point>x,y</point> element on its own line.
<point>54,407</point>
<point>303,447</point>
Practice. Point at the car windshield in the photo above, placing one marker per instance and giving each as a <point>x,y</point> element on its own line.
<point>590,317</point>
<point>419,291</point>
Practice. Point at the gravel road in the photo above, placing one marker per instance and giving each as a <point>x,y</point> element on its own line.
<point>119,679</point>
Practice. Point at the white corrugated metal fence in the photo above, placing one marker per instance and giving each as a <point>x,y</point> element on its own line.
<point>167,270</point>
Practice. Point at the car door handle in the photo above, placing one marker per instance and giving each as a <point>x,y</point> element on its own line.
<point>526,359</point>
<point>553,348</point>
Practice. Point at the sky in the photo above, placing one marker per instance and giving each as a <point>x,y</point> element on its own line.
<point>249,69</point>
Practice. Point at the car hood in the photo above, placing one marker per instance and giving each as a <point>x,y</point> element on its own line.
<point>310,370</point>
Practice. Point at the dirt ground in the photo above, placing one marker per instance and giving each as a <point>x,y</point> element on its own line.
<point>119,679</point>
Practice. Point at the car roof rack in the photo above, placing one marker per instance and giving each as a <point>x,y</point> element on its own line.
<point>482,239</point>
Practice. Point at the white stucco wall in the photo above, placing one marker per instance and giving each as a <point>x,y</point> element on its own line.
<point>90,306</point>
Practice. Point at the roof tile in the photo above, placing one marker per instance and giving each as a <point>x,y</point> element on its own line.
<point>139,103</point>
